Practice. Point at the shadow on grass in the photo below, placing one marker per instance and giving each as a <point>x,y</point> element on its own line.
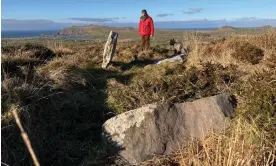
<point>139,63</point>
<point>64,123</point>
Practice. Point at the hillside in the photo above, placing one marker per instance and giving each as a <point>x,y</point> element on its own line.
<point>93,30</point>
<point>98,32</point>
<point>131,34</point>
<point>268,28</point>
<point>226,28</point>
<point>125,33</point>
<point>63,97</point>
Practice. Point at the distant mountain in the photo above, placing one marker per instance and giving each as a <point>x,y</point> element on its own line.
<point>227,28</point>
<point>97,31</point>
<point>268,27</point>
<point>234,29</point>
<point>13,24</point>
<point>93,30</point>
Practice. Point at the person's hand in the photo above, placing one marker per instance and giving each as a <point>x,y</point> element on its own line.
<point>151,35</point>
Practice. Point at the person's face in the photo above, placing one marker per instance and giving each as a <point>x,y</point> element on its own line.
<point>144,13</point>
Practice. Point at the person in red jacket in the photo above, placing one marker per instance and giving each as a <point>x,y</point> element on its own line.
<point>146,29</point>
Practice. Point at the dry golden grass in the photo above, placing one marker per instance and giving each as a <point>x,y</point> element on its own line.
<point>224,149</point>
<point>65,100</point>
<point>63,50</point>
<point>222,52</point>
<point>171,82</point>
<point>25,136</point>
<point>28,50</point>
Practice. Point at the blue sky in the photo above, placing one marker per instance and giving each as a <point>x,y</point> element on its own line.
<point>126,11</point>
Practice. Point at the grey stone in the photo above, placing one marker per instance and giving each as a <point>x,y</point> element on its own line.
<point>177,58</point>
<point>109,49</point>
<point>158,129</point>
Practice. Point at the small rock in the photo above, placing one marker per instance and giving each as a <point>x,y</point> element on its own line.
<point>177,58</point>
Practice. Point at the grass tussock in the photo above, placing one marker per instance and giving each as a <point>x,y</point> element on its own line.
<point>23,58</point>
<point>56,115</point>
<point>225,149</point>
<point>29,51</point>
<point>171,82</point>
<point>248,53</point>
<point>242,51</point>
<point>61,50</point>
<point>64,100</point>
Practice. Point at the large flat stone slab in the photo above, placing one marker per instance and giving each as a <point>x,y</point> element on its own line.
<point>157,129</point>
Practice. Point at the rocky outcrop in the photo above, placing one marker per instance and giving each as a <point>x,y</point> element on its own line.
<point>95,31</point>
<point>71,32</point>
<point>157,129</point>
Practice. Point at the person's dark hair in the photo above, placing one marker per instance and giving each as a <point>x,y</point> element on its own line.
<point>144,11</point>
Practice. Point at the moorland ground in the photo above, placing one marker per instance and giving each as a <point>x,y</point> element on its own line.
<point>63,96</point>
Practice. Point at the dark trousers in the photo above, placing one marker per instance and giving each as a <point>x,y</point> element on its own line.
<point>145,42</point>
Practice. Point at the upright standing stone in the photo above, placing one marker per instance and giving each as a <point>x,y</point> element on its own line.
<point>109,49</point>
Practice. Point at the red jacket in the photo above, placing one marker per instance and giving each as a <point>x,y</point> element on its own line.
<point>146,27</point>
